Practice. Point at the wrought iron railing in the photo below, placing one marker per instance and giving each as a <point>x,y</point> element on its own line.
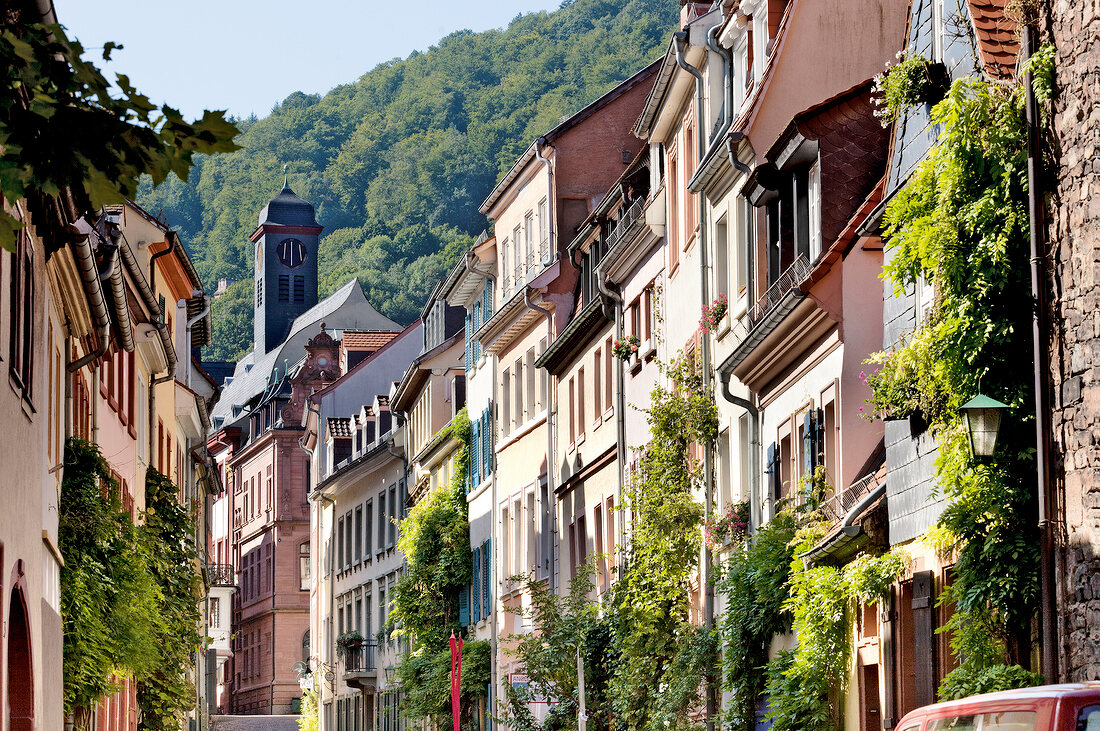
<point>359,656</point>
<point>626,222</point>
<point>837,505</point>
<point>219,574</point>
<point>794,275</point>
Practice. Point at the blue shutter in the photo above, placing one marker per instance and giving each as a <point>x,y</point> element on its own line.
<point>472,457</point>
<point>486,578</point>
<point>468,333</point>
<point>487,299</point>
<point>477,324</point>
<point>773,470</point>
<point>464,606</point>
<point>475,588</point>
<point>486,446</point>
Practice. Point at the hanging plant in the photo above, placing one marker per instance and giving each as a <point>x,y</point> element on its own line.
<point>913,80</point>
<point>713,314</point>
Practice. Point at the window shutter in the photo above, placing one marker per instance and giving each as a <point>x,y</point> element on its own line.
<point>468,332</point>
<point>464,606</point>
<point>475,455</point>
<point>773,470</point>
<point>486,578</point>
<point>809,443</point>
<point>486,444</point>
<point>487,300</point>
<point>475,588</point>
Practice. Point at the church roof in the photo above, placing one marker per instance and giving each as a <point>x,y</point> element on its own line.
<point>367,339</point>
<point>288,209</point>
<point>345,309</point>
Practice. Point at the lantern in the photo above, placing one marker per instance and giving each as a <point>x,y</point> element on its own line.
<point>983,421</point>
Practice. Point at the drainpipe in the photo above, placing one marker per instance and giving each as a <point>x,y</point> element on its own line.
<point>551,443</point>
<point>551,229</point>
<point>727,82</point>
<point>620,409</point>
<point>680,40</point>
<point>755,507</point>
<point>1049,631</point>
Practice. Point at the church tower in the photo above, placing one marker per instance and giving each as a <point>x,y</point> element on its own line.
<point>286,267</point>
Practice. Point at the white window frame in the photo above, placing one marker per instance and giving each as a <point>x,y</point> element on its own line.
<point>813,197</point>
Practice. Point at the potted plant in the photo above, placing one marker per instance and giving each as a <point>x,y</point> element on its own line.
<point>348,640</point>
<point>713,314</point>
<point>733,525</point>
<point>911,81</point>
<point>626,348</point>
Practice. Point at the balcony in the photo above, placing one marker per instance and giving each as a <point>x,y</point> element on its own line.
<point>625,223</point>
<point>219,574</point>
<point>359,664</point>
<point>768,311</point>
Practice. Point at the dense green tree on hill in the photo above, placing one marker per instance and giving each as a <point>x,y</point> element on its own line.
<point>398,162</point>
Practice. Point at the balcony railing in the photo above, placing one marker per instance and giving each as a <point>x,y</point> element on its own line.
<point>788,280</point>
<point>837,505</point>
<point>219,574</point>
<point>359,656</point>
<point>774,300</point>
<point>625,223</point>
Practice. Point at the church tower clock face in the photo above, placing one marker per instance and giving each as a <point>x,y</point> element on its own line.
<point>291,253</point>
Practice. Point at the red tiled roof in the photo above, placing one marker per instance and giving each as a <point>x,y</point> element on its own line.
<point>998,41</point>
<point>367,339</point>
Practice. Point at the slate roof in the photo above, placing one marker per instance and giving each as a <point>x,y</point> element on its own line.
<point>367,339</point>
<point>997,35</point>
<point>346,308</point>
<point>853,146</point>
<point>287,209</point>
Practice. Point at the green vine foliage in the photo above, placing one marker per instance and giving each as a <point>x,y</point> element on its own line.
<point>566,624</point>
<point>435,540</point>
<point>806,686</point>
<point>962,223</point>
<point>167,537</point>
<point>652,595</point>
<point>755,581</point>
<point>109,597</point>
<point>60,126</point>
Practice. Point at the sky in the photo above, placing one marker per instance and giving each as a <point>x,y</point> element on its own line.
<point>247,55</point>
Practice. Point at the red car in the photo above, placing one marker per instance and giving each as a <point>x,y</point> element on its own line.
<point>1067,707</point>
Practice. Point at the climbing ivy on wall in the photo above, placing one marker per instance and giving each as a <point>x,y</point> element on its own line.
<point>129,604</point>
<point>435,541</point>
<point>109,599</point>
<point>657,646</point>
<point>961,223</point>
<point>167,537</point>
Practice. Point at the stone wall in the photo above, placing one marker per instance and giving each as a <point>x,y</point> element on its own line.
<point>1074,241</point>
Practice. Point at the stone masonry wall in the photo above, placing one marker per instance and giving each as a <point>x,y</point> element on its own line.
<point>1074,263</point>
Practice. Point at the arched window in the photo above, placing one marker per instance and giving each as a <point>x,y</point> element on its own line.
<point>305,647</point>
<point>304,566</point>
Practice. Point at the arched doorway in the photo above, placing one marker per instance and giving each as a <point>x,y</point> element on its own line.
<point>20,680</point>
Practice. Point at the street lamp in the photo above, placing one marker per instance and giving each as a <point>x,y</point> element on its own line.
<point>389,674</point>
<point>983,421</point>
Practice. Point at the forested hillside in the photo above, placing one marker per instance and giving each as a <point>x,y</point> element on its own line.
<point>398,161</point>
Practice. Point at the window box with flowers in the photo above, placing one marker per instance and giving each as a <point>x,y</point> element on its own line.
<point>729,527</point>
<point>713,314</point>
<point>626,348</point>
